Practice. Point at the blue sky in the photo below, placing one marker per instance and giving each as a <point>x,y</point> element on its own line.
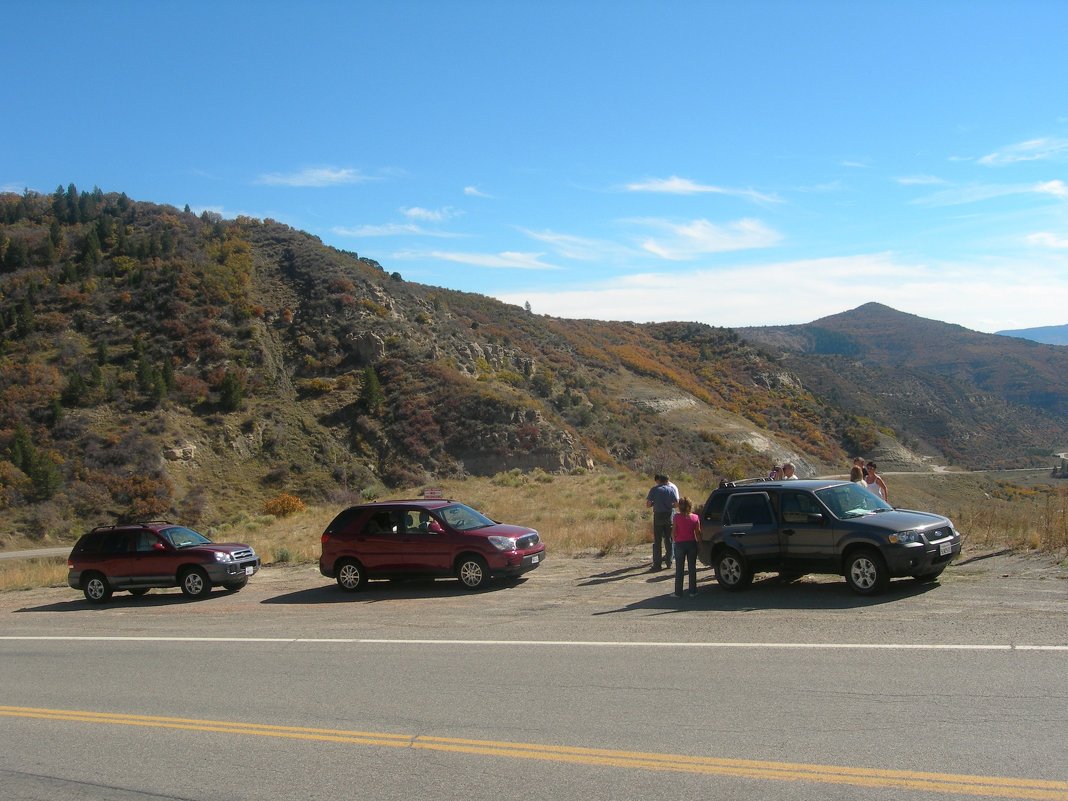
<point>753,163</point>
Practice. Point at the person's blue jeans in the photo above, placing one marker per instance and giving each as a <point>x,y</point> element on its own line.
<point>661,536</point>
<point>687,551</point>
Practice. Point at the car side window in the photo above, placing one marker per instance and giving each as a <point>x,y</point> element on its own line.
<point>748,509</point>
<point>145,541</point>
<point>382,523</point>
<point>417,521</point>
<point>797,506</point>
<point>713,510</point>
<point>116,542</point>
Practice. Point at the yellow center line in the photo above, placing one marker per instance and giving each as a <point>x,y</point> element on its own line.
<point>957,784</point>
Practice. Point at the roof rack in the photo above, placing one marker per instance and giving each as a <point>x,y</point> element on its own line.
<point>132,525</point>
<point>743,481</point>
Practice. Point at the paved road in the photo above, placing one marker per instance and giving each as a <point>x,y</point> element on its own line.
<point>586,681</point>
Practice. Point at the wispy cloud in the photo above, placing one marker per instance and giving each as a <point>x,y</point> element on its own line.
<point>474,191</point>
<point>1043,149</point>
<point>920,180</point>
<point>854,164</point>
<point>1046,239</point>
<point>505,260</point>
<point>685,186</point>
<point>391,229</point>
<point>701,237</point>
<point>430,215</point>
<point>12,187</point>
<point>579,248</point>
<point>314,176</point>
<point>974,193</point>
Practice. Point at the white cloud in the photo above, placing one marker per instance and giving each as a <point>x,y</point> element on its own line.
<point>1048,240</point>
<point>1042,149</point>
<point>474,191</point>
<point>430,215</point>
<point>1055,188</point>
<point>989,296</point>
<point>505,260</point>
<point>701,237</point>
<point>390,229</point>
<point>314,176</point>
<point>855,165</point>
<point>684,186</point>
<point>920,180</point>
<point>12,187</point>
<point>579,248</point>
<point>974,193</point>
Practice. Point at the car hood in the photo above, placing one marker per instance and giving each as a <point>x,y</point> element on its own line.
<point>901,520</point>
<point>503,530</point>
<point>224,547</point>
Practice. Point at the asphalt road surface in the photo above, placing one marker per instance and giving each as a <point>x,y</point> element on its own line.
<point>588,680</point>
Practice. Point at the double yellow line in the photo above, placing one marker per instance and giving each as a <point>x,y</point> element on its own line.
<point>956,784</point>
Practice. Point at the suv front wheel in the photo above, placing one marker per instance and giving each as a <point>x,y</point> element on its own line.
<point>732,572</point>
<point>473,572</point>
<point>866,573</point>
<point>195,583</point>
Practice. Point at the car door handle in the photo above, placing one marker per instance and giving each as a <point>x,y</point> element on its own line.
<point>789,532</point>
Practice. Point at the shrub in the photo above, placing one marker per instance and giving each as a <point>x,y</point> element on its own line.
<point>284,504</point>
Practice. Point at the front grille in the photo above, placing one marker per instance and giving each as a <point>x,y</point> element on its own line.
<point>242,554</point>
<point>939,533</point>
<point>529,541</point>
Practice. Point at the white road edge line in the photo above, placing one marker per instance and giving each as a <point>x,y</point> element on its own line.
<point>558,643</point>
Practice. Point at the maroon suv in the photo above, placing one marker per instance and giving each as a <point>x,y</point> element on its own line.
<point>394,539</point>
<point>140,556</point>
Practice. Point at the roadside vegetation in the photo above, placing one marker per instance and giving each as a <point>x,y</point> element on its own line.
<point>596,514</point>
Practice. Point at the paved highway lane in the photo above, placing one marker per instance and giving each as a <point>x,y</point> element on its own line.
<point>602,687</point>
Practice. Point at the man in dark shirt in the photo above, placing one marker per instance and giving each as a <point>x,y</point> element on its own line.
<point>663,498</point>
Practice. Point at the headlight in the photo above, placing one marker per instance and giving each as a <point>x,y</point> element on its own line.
<point>223,557</point>
<point>502,543</point>
<point>904,536</point>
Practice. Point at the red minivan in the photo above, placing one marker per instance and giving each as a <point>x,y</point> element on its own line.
<point>393,539</point>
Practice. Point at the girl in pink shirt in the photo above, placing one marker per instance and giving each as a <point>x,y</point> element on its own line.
<point>685,529</point>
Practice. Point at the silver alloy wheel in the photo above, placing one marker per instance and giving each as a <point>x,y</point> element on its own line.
<point>730,569</point>
<point>195,584</point>
<point>96,589</point>
<point>349,576</point>
<point>472,573</point>
<point>864,573</point>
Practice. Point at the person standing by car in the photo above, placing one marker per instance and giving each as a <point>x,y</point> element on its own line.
<point>874,483</point>
<point>788,473</point>
<point>663,499</point>
<point>686,528</point>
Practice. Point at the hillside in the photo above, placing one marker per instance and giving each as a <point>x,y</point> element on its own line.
<point>158,363</point>
<point>958,396</point>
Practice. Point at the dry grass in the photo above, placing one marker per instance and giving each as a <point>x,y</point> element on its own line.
<point>603,513</point>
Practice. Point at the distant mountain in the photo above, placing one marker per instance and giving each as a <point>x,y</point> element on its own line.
<point>970,398</point>
<point>1048,334</point>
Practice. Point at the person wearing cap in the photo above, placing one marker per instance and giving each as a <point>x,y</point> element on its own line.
<point>662,499</point>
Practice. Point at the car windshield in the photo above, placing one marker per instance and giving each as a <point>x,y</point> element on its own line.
<point>464,518</point>
<point>181,537</point>
<point>848,500</point>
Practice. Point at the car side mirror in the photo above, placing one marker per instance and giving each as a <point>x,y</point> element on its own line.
<point>435,527</point>
<point>815,517</point>
<point>158,546</point>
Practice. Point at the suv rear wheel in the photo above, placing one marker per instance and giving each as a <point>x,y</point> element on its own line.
<point>865,572</point>
<point>732,572</point>
<point>350,576</point>
<point>97,589</point>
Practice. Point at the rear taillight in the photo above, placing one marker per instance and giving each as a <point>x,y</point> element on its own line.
<point>70,564</point>
<point>325,538</point>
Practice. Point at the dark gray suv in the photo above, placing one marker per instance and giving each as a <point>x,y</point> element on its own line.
<point>806,526</point>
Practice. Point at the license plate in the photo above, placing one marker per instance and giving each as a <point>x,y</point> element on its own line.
<point>535,559</point>
<point>945,548</point>
<point>249,570</point>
